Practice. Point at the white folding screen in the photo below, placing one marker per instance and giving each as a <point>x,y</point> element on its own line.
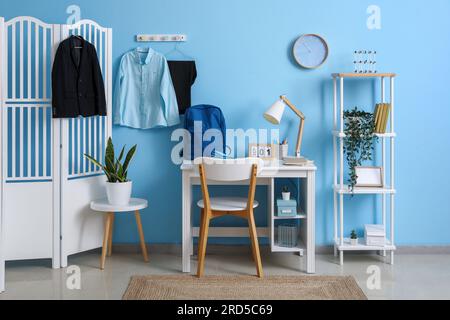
<point>2,79</point>
<point>81,181</point>
<point>46,184</point>
<point>29,222</point>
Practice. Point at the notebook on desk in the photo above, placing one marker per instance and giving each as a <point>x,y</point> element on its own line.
<point>297,161</point>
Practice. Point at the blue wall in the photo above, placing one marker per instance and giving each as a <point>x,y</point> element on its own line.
<point>242,49</point>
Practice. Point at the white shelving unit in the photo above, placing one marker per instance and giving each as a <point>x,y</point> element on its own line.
<point>340,190</point>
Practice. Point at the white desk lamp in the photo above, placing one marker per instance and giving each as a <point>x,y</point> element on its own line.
<point>274,115</point>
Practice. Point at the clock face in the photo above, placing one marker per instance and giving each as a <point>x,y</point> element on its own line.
<point>310,51</point>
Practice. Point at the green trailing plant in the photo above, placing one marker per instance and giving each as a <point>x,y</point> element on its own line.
<point>285,189</point>
<point>114,168</point>
<point>353,235</point>
<point>359,140</point>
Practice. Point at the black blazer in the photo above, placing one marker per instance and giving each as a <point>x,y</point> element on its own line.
<point>77,82</point>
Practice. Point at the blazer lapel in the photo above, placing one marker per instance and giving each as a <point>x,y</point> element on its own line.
<point>72,40</point>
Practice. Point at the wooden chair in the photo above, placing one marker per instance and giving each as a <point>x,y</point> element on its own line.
<point>227,171</point>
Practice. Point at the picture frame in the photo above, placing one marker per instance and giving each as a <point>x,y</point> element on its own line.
<point>263,151</point>
<point>369,177</point>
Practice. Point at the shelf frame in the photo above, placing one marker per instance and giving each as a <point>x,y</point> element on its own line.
<point>340,189</point>
<point>361,246</point>
<point>363,190</point>
<point>364,75</point>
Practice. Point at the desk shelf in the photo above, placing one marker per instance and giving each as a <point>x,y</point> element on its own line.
<point>297,217</point>
<point>300,248</point>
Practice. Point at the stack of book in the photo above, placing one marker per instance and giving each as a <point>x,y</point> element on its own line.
<point>382,111</point>
<point>375,235</point>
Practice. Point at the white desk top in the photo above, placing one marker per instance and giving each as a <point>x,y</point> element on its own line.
<point>104,206</point>
<point>276,165</point>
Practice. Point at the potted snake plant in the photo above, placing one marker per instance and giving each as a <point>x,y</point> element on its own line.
<point>118,187</point>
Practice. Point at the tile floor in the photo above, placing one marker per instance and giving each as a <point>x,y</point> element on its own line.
<point>412,277</point>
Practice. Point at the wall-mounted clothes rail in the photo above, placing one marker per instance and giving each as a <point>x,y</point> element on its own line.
<point>46,183</point>
<point>161,38</point>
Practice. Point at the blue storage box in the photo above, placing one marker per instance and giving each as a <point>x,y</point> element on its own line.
<point>286,208</point>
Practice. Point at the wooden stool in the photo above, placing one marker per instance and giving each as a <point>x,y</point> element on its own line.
<point>134,206</point>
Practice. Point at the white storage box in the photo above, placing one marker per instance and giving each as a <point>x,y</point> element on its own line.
<point>375,235</point>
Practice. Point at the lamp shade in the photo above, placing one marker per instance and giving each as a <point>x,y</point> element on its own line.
<point>275,113</point>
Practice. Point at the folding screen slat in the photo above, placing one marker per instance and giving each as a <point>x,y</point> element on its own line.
<point>29,59</point>
<point>13,63</point>
<point>36,61</point>
<point>44,141</point>
<point>19,146</point>
<point>13,141</point>
<point>29,141</point>
<point>44,63</point>
<point>21,71</point>
<point>36,142</point>
<point>79,146</point>
<point>94,153</point>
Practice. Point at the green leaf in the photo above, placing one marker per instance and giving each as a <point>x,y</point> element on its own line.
<point>94,161</point>
<point>109,156</point>
<point>119,170</point>
<point>117,178</point>
<point>121,154</point>
<point>129,157</point>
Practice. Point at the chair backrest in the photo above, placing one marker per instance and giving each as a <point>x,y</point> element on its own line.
<point>228,170</point>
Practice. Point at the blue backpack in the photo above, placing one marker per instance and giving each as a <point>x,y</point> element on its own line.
<point>209,117</point>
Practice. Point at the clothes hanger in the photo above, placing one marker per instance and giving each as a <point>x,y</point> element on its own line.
<point>176,50</point>
<point>79,38</point>
<point>142,50</point>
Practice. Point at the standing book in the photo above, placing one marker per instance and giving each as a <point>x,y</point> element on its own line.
<point>386,116</point>
<point>379,128</point>
<point>377,116</point>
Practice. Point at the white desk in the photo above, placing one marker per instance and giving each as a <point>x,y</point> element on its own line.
<point>266,177</point>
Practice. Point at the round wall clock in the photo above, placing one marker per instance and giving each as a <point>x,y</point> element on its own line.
<point>310,51</point>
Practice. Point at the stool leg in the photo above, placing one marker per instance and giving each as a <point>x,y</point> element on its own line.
<point>105,240</point>
<point>141,235</point>
<point>203,240</point>
<point>255,244</point>
<point>111,228</point>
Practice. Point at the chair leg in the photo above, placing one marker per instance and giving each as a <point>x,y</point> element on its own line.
<point>199,244</point>
<point>105,240</point>
<point>141,235</point>
<point>255,244</point>
<point>203,240</point>
<point>111,228</point>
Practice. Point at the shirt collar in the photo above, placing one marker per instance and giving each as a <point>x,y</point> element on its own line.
<point>139,51</point>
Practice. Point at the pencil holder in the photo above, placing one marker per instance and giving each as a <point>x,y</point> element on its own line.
<point>284,149</point>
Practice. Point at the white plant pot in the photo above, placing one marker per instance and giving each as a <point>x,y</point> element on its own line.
<point>119,194</point>
<point>286,195</point>
<point>354,242</point>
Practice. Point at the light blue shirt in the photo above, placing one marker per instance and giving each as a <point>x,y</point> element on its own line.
<point>144,93</point>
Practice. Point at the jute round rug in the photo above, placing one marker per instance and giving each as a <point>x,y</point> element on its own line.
<point>243,288</point>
